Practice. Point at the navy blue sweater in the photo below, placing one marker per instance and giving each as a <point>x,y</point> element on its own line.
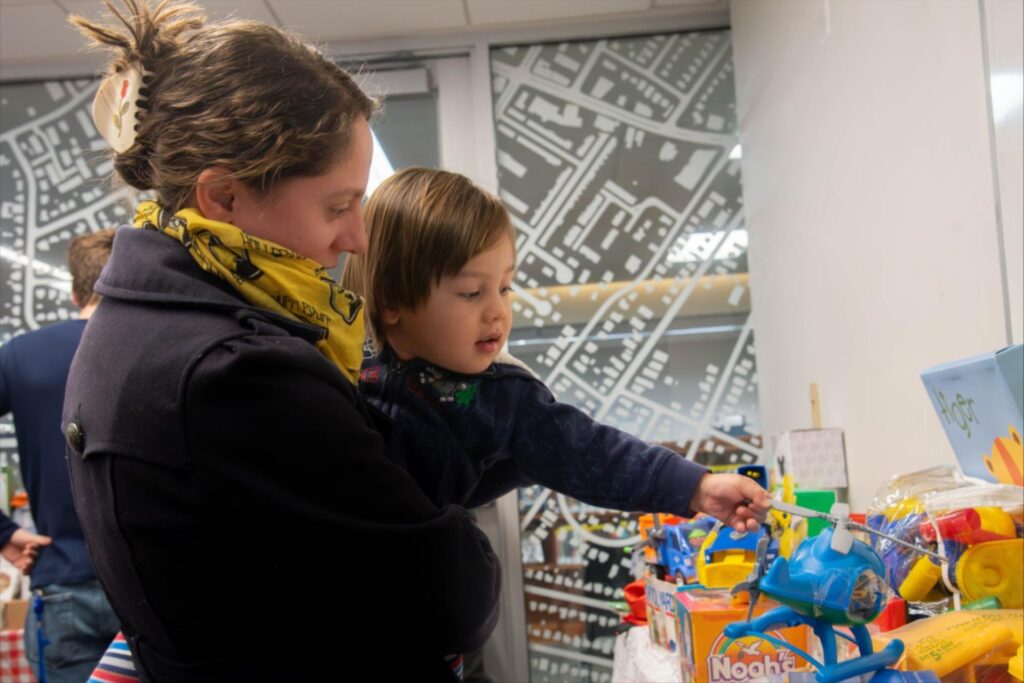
<point>468,439</point>
<point>33,371</point>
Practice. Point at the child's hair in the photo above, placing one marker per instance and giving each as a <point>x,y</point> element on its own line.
<point>87,254</point>
<point>422,225</point>
<point>241,95</point>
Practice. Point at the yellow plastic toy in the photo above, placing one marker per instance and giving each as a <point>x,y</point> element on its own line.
<point>790,530</point>
<point>1016,664</point>
<point>958,641</point>
<point>993,569</point>
<point>719,566</point>
<point>921,581</point>
<point>1007,460</point>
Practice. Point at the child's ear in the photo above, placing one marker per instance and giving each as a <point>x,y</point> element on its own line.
<point>389,316</point>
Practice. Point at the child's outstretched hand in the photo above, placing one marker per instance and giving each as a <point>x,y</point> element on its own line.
<point>732,499</point>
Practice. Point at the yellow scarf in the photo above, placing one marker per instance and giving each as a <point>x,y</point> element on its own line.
<point>271,277</point>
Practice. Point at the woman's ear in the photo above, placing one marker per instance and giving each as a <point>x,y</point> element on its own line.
<point>215,194</point>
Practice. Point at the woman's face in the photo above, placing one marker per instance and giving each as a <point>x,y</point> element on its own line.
<point>321,216</point>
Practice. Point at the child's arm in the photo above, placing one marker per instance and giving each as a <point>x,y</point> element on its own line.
<point>559,446</point>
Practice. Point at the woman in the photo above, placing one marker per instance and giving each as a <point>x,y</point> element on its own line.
<point>231,484</point>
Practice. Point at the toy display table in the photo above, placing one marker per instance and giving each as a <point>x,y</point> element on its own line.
<point>14,668</point>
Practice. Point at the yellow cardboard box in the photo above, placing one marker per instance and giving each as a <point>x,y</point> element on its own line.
<point>708,656</point>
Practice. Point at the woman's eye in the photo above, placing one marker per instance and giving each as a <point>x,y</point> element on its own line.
<point>339,211</point>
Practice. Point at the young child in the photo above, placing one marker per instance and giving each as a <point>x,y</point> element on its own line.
<point>472,423</point>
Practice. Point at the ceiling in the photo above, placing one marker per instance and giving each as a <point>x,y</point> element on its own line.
<point>37,41</point>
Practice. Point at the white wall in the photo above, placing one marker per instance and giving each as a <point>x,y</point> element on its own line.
<point>1005,43</point>
<point>871,213</point>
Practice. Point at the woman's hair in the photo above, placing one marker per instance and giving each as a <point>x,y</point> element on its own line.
<point>422,225</point>
<point>241,95</point>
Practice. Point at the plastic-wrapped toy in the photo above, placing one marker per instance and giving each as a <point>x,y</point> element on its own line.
<point>975,646</point>
<point>830,580</point>
<point>975,528</point>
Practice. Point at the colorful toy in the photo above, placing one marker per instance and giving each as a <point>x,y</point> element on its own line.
<point>758,473</point>
<point>961,645</point>
<point>676,555</point>
<point>649,525</point>
<point>1016,665</point>
<point>985,557</point>
<point>727,556</point>
<point>787,529</point>
<point>669,544</point>
<point>830,580</point>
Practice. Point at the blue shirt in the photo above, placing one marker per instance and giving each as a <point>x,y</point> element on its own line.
<point>33,371</point>
<point>468,439</point>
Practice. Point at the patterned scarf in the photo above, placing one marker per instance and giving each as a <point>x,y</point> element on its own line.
<point>270,277</point>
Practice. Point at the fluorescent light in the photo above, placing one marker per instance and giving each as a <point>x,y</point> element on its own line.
<point>380,167</point>
<point>736,153</point>
<point>697,247</point>
<point>1007,94</point>
<point>40,268</point>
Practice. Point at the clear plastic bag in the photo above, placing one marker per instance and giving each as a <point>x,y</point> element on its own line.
<point>976,527</point>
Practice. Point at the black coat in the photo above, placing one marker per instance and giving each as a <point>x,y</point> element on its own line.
<point>236,499</point>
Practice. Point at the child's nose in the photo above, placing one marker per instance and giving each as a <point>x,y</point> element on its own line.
<point>495,308</point>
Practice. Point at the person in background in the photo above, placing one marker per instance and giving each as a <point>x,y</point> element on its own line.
<point>78,621</point>
<point>231,483</point>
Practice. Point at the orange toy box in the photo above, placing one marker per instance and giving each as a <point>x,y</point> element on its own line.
<point>708,656</point>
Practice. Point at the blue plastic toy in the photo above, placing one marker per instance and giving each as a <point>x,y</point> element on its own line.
<point>830,580</point>
<point>676,555</point>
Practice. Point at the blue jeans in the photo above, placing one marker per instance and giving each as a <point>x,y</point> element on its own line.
<point>79,623</point>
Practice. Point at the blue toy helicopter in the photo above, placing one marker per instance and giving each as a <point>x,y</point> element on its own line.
<point>830,580</point>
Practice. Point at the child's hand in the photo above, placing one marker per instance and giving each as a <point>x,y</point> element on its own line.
<point>732,499</point>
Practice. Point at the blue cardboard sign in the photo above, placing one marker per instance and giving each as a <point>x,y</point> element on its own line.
<point>979,403</point>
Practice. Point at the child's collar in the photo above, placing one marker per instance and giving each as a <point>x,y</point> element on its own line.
<point>390,359</point>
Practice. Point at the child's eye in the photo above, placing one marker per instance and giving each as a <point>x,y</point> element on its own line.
<point>469,295</point>
<point>505,290</point>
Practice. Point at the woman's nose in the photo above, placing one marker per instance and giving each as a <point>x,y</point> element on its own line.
<point>356,238</point>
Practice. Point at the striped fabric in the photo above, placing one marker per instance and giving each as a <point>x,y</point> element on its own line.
<point>116,666</point>
<point>456,662</point>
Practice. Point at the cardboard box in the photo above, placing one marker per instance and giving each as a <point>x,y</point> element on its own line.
<point>979,404</point>
<point>815,457</point>
<point>661,613</point>
<point>12,616</point>
<point>708,656</point>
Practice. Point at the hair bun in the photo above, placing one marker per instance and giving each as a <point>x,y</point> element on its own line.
<point>134,168</point>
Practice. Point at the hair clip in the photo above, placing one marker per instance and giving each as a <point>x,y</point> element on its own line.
<point>116,110</point>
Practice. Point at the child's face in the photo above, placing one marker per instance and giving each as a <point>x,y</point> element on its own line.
<point>464,323</point>
<point>320,217</point>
